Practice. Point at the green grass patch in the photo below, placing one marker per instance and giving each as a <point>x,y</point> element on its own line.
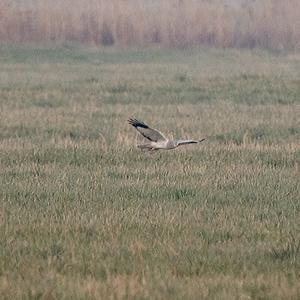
<point>86,215</point>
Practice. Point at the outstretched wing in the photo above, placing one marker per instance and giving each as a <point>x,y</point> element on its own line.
<point>186,142</point>
<point>151,134</point>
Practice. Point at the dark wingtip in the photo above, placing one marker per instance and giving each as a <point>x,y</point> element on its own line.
<point>136,123</point>
<point>130,121</point>
<point>201,140</point>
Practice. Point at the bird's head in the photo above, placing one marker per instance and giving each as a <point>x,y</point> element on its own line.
<point>176,144</point>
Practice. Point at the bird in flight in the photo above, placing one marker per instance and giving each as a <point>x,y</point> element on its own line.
<point>156,139</point>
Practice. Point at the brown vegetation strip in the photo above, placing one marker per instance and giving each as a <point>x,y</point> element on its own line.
<point>180,23</point>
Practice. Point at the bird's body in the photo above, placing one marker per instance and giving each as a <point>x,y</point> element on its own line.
<point>166,145</point>
<point>157,140</point>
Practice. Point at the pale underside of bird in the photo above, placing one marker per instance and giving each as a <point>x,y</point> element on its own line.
<point>157,140</point>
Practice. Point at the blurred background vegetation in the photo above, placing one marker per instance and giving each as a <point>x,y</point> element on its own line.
<point>270,24</point>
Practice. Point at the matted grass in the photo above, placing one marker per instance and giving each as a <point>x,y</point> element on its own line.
<point>85,215</point>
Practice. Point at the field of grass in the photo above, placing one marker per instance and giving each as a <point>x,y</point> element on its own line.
<point>86,215</point>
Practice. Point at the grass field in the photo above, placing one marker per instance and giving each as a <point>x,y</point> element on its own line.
<point>85,215</point>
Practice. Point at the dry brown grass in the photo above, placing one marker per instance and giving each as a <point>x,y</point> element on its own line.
<point>181,23</point>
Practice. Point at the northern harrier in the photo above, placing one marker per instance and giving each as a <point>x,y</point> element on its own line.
<point>157,139</point>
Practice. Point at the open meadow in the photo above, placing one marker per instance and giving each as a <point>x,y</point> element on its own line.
<point>86,215</point>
